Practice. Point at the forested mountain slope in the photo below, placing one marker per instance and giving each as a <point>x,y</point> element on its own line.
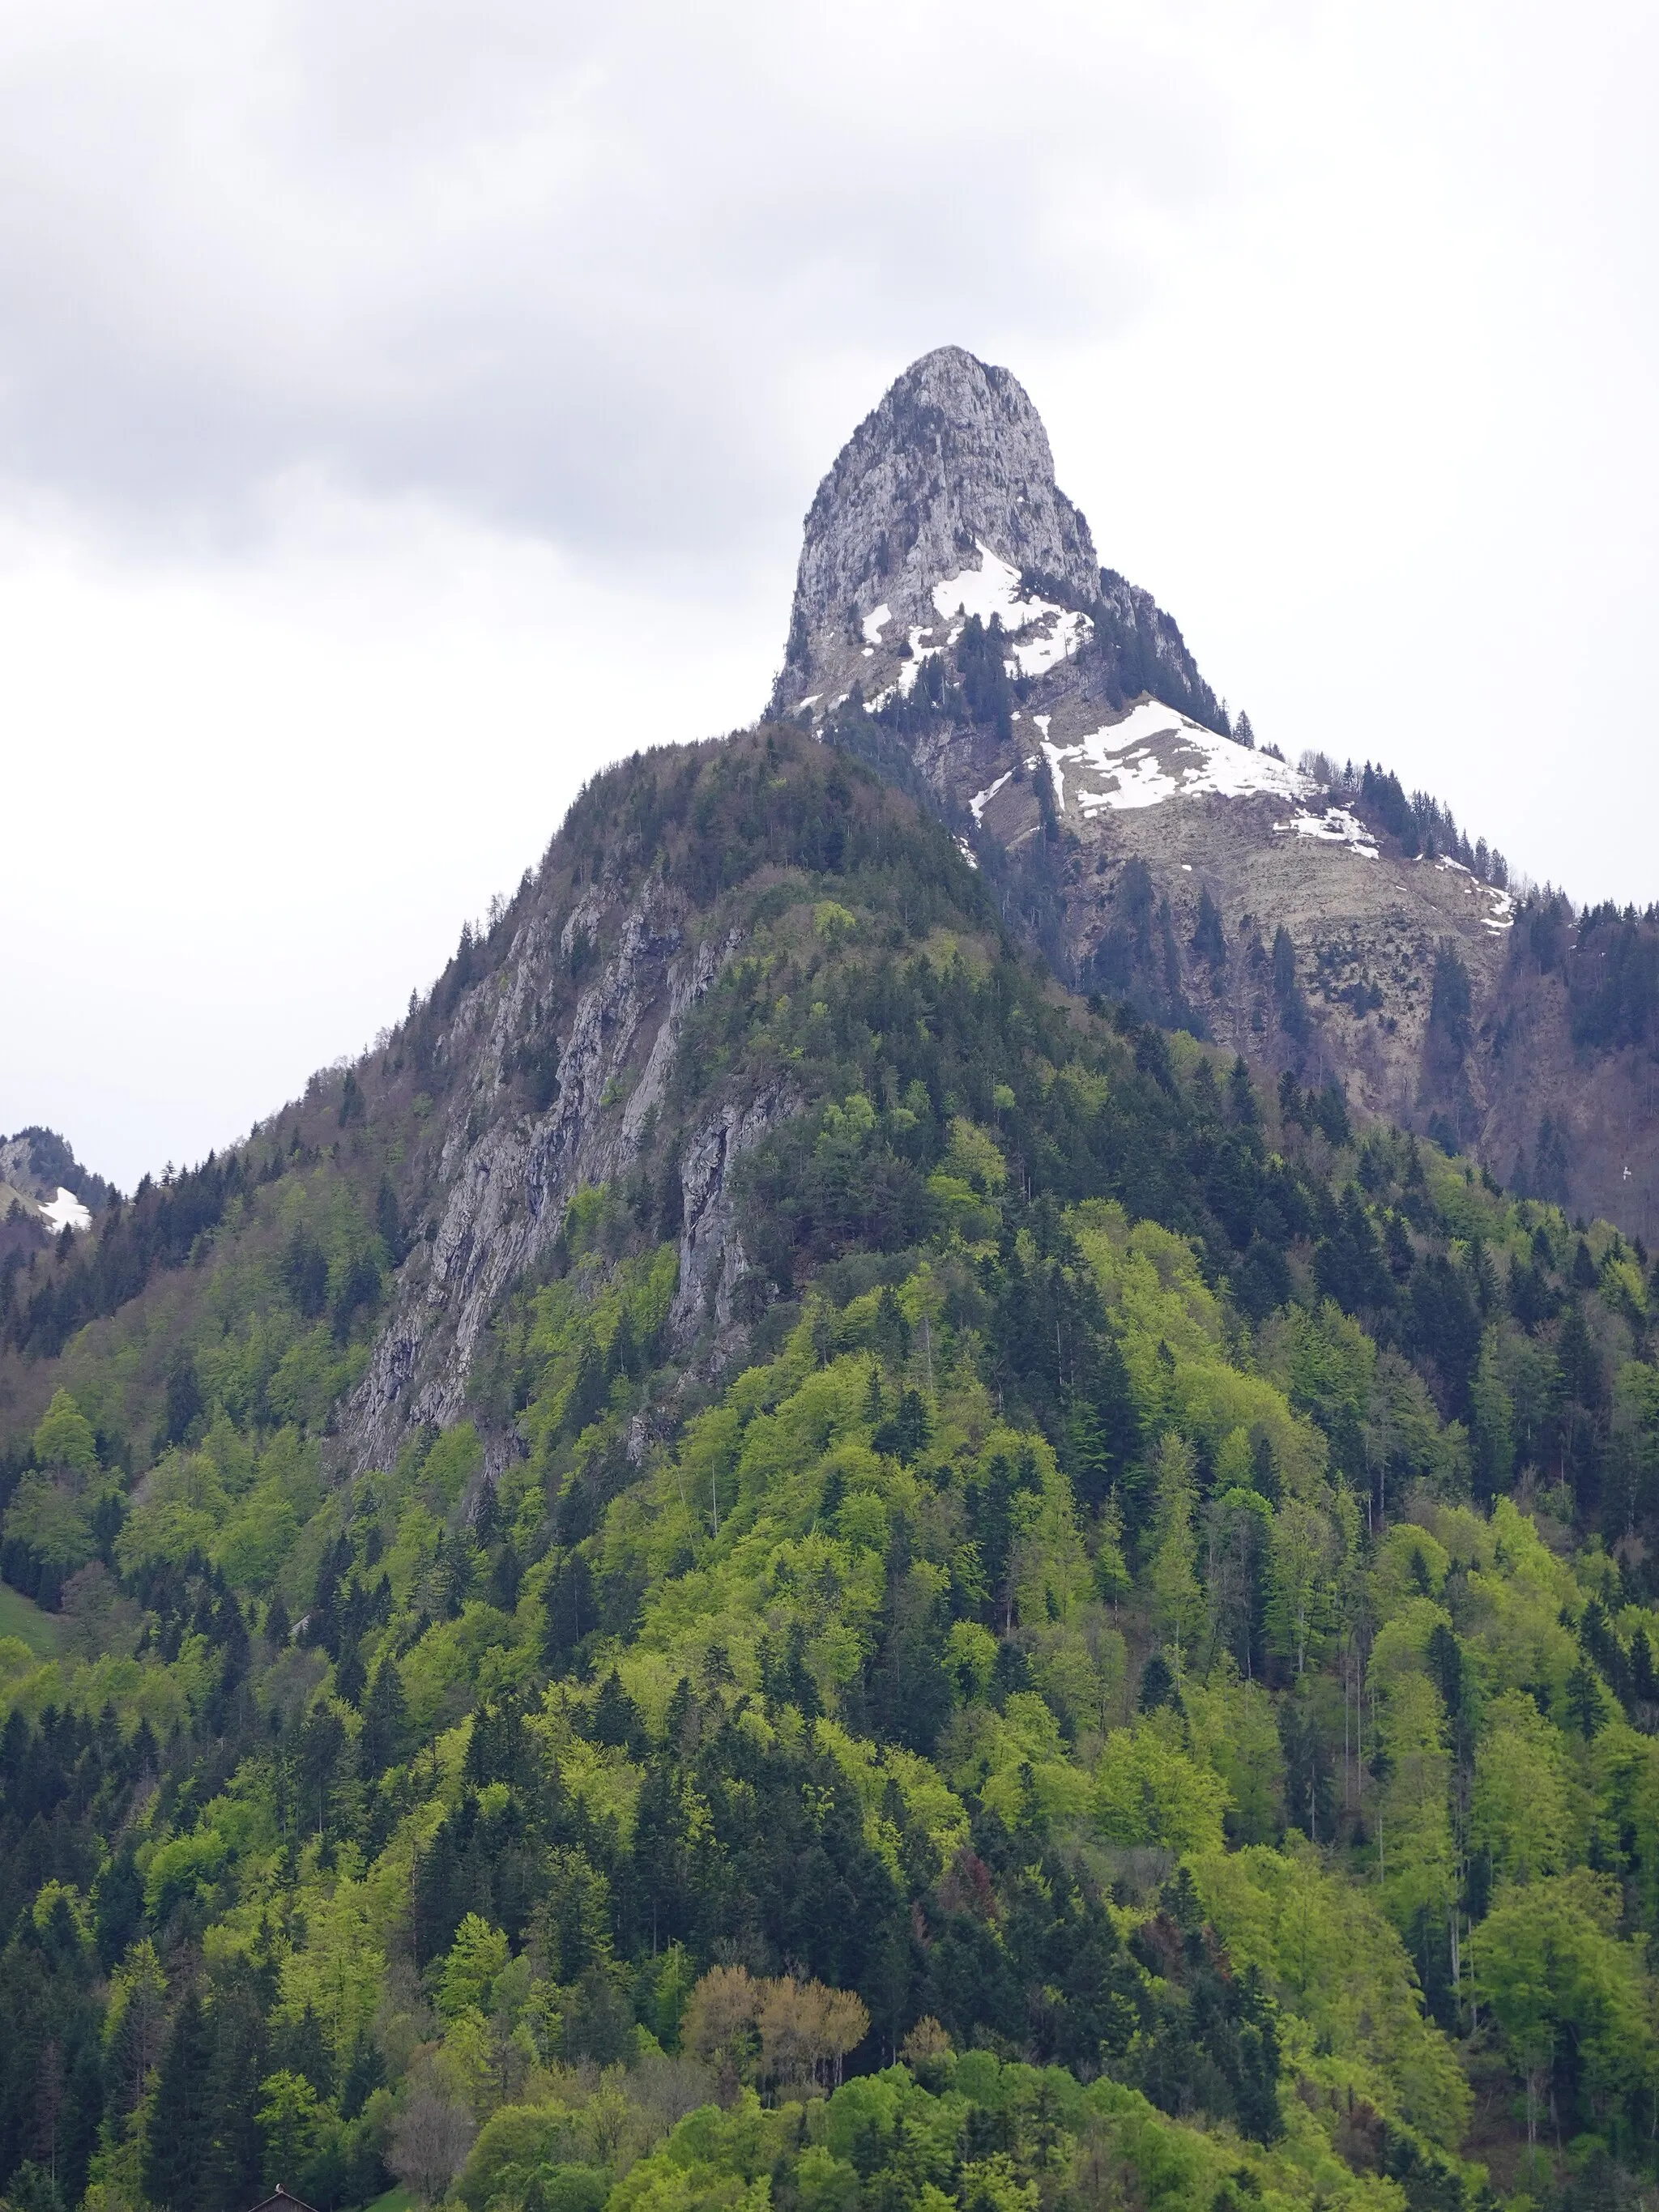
<point>975,1555</point>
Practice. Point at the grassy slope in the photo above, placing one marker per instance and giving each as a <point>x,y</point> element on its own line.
<point>19,1618</point>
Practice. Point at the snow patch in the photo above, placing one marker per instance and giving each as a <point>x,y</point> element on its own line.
<point>810,700</point>
<point>876,622</point>
<point>66,1211</point>
<point>992,589</point>
<point>1064,635</point>
<point>1153,753</point>
<point>981,799</point>
<point>1335,826</point>
<point>966,851</point>
<point>1502,916</point>
<point>911,669</point>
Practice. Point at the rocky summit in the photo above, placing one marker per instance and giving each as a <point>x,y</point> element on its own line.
<point>952,469</point>
<point>949,612</point>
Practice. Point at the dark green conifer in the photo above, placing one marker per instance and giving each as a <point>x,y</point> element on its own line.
<point>179,2153</point>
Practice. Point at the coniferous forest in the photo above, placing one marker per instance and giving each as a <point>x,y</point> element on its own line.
<point>1120,1668</point>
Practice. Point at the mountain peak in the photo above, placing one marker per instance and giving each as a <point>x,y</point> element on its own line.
<point>952,472</point>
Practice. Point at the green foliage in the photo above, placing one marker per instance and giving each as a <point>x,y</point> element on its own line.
<point>1573,2002</point>
<point>64,1439</point>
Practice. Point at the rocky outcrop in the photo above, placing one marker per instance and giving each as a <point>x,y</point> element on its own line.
<point>39,1166</point>
<point>713,1262</point>
<point>503,1181</point>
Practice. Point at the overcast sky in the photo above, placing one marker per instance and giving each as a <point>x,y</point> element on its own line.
<point>403,412</point>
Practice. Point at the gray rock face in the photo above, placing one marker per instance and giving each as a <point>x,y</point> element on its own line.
<point>503,1182</point>
<point>955,457</point>
<point>712,1262</point>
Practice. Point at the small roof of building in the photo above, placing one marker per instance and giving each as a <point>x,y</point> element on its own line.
<point>282,2202</point>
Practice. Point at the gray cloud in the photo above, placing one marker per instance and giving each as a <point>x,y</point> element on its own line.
<point>575,269</point>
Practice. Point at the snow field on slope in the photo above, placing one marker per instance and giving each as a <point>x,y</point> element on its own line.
<point>1155,753</point>
<point>993,588</point>
<point>66,1210</point>
<point>981,799</point>
<point>1502,916</point>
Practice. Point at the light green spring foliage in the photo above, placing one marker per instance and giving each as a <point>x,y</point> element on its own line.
<point>256,1355</point>
<point>769,1519</point>
<point>1552,1965</point>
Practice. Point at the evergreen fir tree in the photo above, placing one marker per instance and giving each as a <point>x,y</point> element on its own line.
<point>178,2142</point>
<point>237,2030</point>
<point>379,1741</point>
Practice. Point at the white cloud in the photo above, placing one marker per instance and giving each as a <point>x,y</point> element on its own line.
<point>250,807</point>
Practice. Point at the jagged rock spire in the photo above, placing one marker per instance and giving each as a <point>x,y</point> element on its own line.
<point>954,458</point>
